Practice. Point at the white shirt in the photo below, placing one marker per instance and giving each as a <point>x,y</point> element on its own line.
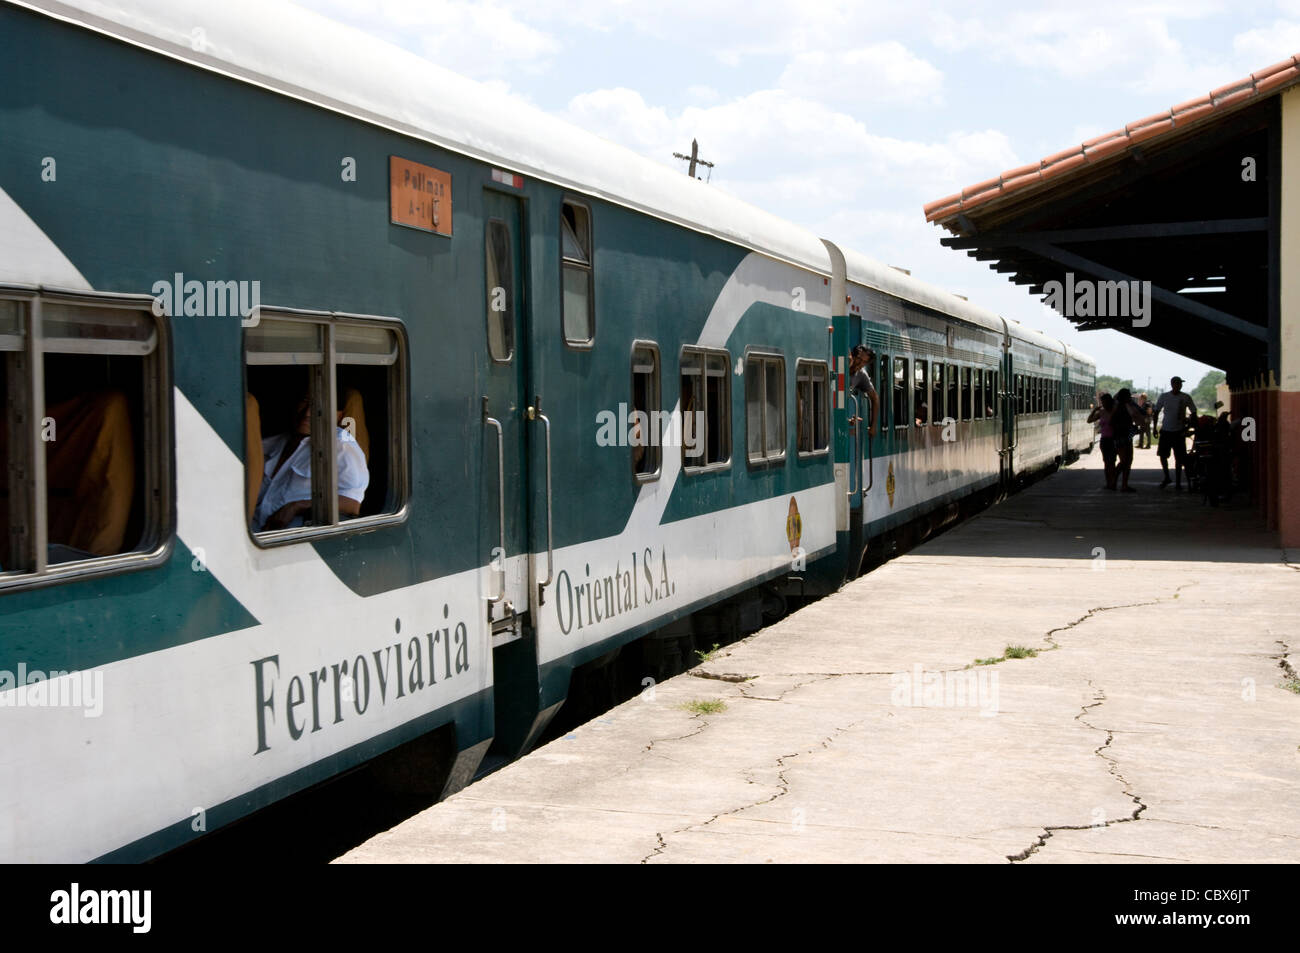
<point>1172,405</point>
<point>293,481</point>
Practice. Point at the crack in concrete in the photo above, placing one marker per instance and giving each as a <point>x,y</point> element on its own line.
<point>722,676</point>
<point>689,734</point>
<point>1112,766</point>
<point>783,788</point>
<point>1282,662</point>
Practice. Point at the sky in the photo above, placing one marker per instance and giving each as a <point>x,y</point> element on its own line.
<point>846,118</point>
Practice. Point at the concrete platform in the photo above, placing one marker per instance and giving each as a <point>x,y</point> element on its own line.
<point>1152,725</point>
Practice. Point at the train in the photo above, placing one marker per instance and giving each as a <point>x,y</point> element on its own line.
<point>350,403</point>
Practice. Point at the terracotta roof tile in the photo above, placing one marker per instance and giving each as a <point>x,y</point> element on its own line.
<point>1146,132</point>
<point>1104,137</point>
<point>1275,68</point>
<point>1056,157</point>
<point>979,188</point>
<point>1099,148</point>
<point>1064,165</point>
<point>1279,78</point>
<point>1020,170</point>
<point>1020,181</point>
<point>1108,147</point>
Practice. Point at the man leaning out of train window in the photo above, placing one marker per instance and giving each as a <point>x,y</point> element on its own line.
<point>285,498</point>
<point>860,359</point>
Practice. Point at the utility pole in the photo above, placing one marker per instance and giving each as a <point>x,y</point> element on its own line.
<point>694,160</point>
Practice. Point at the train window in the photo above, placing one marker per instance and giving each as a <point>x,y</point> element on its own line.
<point>954,403</point>
<point>86,437</point>
<point>965,393</point>
<point>812,400</point>
<point>576,274</point>
<point>646,412</point>
<point>920,392</point>
<point>326,424</point>
<point>977,394</point>
<point>499,254</point>
<point>706,408</point>
<point>882,378</point>
<point>937,411</point>
<point>901,417</point>
<point>1019,395</point>
<point>765,407</point>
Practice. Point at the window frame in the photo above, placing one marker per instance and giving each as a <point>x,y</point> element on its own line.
<point>905,418</point>
<point>921,364</point>
<point>589,267</point>
<point>812,363</point>
<point>651,346</point>
<point>399,428</point>
<point>939,389</point>
<point>725,421</point>
<point>765,356</point>
<point>487,294</point>
<point>158,535</point>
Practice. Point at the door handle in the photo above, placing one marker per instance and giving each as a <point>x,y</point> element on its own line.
<point>535,413</point>
<point>501,498</point>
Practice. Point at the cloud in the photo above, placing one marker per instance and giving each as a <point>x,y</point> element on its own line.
<point>883,74</point>
<point>478,40</point>
<point>1118,43</point>
<point>794,155</point>
<point>1265,46</point>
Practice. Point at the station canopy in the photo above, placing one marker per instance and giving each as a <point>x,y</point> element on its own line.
<point>1187,199</point>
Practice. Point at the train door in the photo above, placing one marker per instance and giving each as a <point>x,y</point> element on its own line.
<point>506,445</point>
<point>1009,392</point>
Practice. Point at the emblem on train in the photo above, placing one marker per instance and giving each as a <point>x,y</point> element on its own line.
<point>889,484</point>
<point>793,525</point>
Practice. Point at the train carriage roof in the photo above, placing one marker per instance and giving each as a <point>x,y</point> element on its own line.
<point>864,271</point>
<point>302,54</point>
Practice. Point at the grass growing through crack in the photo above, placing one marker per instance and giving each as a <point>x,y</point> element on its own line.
<point>1011,651</point>
<point>705,707</point>
<point>708,656</point>
<point>1292,685</point>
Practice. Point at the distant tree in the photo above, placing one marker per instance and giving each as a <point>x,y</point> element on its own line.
<point>1110,385</point>
<point>1204,394</point>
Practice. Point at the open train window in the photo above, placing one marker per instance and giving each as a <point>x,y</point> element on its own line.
<point>977,394</point>
<point>85,442</point>
<point>920,392</point>
<point>326,424</point>
<point>812,407</point>
<point>937,411</point>
<point>1018,396</point>
<point>647,413</point>
<point>579,308</point>
<point>706,409</point>
<point>990,401</point>
<point>954,400</point>
<point>965,393</point>
<point>899,399</point>
<point>764,407</point>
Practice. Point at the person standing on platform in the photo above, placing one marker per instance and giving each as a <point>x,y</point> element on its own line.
<point>1101,415</point>
<point>1179,411</point>
<point>1126,417</point>
<point>1144,425</point>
